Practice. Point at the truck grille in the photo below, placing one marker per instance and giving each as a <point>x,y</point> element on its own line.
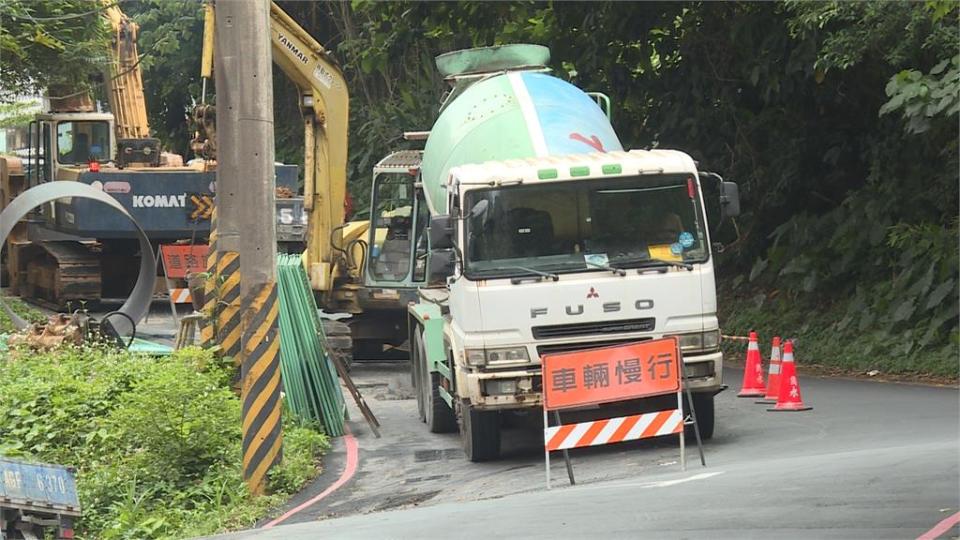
<point>593,328</point>
<point>570,347</point>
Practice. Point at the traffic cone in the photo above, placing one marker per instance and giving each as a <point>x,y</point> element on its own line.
<point>773,376</point>
<point>789,398</point>
<point>753,371</point>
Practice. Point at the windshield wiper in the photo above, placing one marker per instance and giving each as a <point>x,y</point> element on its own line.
<point>663,262</point>
<point>617,271</point>
<point>548,275</point>
<point>645,262</point>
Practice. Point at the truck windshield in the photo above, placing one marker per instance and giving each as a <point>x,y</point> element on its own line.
<point>584,225</point>
<point>83,141</point>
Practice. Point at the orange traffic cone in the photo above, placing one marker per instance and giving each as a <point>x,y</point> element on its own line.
<point>753,371</point>
<point>789,398</point>
<point>773,376</point>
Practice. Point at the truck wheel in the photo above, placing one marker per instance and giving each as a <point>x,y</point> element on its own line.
<point>703,403</point>
<point>480,434</point>
<point>437,414</point>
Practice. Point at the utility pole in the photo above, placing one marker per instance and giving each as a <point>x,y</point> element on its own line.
<point>247,320</point>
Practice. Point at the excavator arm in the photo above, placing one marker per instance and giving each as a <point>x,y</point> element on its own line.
<point>125,80</point>
<point>324,100</point>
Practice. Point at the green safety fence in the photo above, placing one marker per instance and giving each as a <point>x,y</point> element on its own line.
<point>310,384</point>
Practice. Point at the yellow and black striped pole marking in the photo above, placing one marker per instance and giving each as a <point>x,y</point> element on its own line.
<point>208,325</point>
<point>260,387</point>
<point>228,311</point>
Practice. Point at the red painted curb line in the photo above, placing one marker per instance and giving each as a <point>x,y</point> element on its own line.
<point>941,528</point>
<point>353,459</point>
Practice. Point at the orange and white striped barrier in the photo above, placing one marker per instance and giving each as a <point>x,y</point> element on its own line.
<point>613,430</point>
<point>180,296</point>
<point>179,262</point>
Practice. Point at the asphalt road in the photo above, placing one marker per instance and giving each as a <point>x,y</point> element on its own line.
<point>872,460</point>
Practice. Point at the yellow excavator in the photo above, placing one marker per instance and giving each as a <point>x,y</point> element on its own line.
<point>335,248</point>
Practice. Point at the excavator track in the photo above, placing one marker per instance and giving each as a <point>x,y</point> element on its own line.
<point>59,273</point>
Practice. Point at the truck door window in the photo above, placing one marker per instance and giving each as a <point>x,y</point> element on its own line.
<point>391,238</point>
<point>82,141</point>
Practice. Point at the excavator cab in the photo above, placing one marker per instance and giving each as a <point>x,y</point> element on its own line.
<point>61,141</point>
<point>397,239</point>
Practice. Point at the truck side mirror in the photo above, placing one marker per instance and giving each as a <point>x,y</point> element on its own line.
<point>729,199</point>
<point>443,262</point>
<point>442,232</point>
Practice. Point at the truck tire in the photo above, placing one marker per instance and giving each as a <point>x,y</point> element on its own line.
<point>703,404</point>
<point>436,413</point>
<point>480,434</point>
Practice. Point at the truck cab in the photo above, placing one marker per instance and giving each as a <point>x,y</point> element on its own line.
<point>558,254</point>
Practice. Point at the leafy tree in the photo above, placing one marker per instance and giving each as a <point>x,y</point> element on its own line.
<point>170,42</point>
<point>17,114</point>
<point>838,119</point>
<point>49,43</point>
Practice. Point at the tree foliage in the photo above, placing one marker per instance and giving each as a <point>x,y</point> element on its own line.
<point>48,43</point>
<point>838,119</point>
<point>171,37</point>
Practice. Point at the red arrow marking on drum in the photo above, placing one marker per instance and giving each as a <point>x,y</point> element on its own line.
<point>593,141</point>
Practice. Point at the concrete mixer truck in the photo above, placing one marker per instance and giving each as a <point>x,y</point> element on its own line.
<point>524,228</point>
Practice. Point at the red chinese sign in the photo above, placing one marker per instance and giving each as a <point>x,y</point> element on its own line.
<point>631,371</point>
<point>181,260</point>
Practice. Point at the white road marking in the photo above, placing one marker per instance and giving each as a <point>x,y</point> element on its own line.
<point>648,485</point>
<point>667,483</point>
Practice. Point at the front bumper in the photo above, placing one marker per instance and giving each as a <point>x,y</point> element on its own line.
<point>521,388</point>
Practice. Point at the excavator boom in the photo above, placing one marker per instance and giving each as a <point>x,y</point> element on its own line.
<point>125,80</point>
<point>324,98</point>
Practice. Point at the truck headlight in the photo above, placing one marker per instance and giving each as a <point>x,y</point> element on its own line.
<point>507,355</point>
<point>711,339</point>
<point>475,357</point>
<point>691,342</point>
<point>503,355</point>
<point>700,341</point>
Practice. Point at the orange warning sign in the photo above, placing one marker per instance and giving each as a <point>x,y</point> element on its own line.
<point>631,371</point>
<point>180,260</point>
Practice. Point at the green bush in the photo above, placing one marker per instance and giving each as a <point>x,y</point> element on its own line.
<point>156,442</point>
<point>825,335</point>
